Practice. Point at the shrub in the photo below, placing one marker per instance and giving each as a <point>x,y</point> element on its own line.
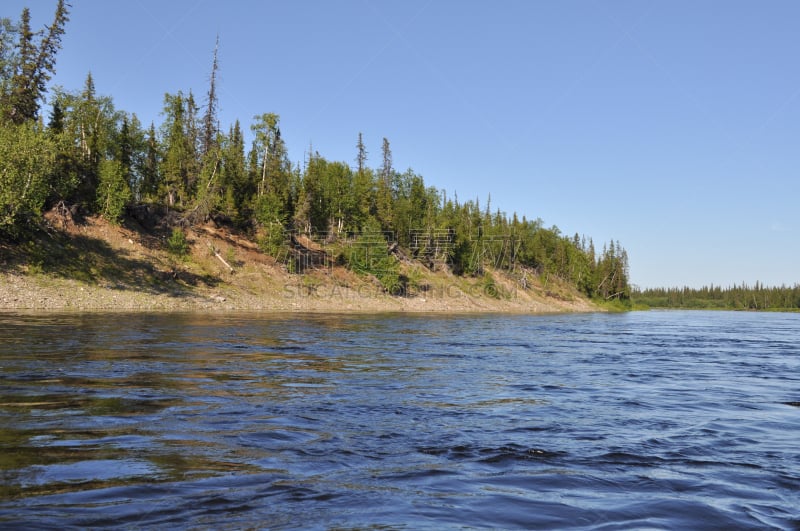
<point>26,158</point>
<point>177,243</point>
<point>113,192</point>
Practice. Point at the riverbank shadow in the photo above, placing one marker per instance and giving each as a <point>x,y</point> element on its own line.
<point>94,261</point>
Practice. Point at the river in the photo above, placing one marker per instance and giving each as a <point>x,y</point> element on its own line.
<point>658,420</point>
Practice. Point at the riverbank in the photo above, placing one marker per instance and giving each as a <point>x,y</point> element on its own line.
<point>94,265</point>
<point>43,292</point>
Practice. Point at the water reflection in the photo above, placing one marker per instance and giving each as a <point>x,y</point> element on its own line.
<point>184,420</point>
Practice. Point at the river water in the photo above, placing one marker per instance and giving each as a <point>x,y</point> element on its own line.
<point>657,420</point>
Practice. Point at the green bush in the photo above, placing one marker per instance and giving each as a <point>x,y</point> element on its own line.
<point>369,255</point>
<point>26,158</point>
<point>177,243</point>
<point>113,192</point>
<point>489,287</point>
<point>273,240</point>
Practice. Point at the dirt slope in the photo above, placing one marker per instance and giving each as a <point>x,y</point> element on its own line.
<point>94,265</point>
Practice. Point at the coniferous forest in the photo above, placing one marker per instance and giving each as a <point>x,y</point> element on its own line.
<point>73,150</point>
<point>741,297</point>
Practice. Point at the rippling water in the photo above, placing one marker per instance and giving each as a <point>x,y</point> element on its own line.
<point>227,421</point>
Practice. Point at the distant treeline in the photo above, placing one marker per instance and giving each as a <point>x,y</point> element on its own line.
<point>90,157</point>
<point>743,297</point>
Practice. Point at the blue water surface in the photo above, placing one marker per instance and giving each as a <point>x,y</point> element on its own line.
<point>645,420</point>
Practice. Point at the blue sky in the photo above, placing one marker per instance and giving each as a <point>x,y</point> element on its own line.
<point>672,126</point>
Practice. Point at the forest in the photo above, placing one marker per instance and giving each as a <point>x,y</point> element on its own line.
<point>741,297</point>
<point>73,150</point>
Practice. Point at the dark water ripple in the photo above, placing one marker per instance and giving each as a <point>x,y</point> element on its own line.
<point>658,420</point>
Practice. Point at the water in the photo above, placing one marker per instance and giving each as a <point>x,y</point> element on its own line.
<point>657,420</point>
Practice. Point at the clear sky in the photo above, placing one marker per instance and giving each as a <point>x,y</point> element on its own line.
<point>672,126</point>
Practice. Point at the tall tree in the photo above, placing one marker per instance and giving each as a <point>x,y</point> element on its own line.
<point>208,197</point>
<point>361,158</point>
<point>67,164</point>
<point>8,31</point>
<point>130,150</point>
<point>363,192</point>
<point>124,147</point>
<point>337,182</point>
<point>313,207</point>
<point>210,128</point>
<point>20,101</point>
<point>193,132</point>
<point>178,162</point>
<point>273,192</point>
<point>35,64</point>
<point>91,136</point>
<point>383,193</point>
<point>85,127</point>
<point>151,180</point>
<point>386,167</point>
<point>236,188</point>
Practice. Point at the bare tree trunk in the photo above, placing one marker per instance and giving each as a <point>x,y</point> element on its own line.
<point>219,257</point>
<point>262,188</point>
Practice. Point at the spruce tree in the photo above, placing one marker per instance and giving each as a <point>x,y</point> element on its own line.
<point>8,31</point>
<point>386,168</point>
<point>361,158</point>
<point>34,66</point>
<point>151,180</point>
<point>194,140</point>
<point>235,186</point>
<point>20,102</point>
<point>384,210</point>
<point>91,131</point>
<point>178,158</point>
<point>130,149</point>
<point>210,128</point>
